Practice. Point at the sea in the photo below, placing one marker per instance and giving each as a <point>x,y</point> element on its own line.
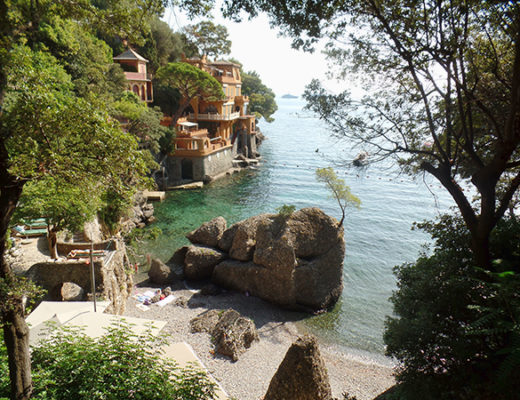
<point>378,235</point>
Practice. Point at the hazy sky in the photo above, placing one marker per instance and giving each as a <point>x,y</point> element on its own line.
<point>259,48</point>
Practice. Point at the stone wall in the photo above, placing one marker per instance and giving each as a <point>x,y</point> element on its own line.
<point>198,168</point>
<point>112,278</point>
<point>246,144</point>
<point>65,248</point>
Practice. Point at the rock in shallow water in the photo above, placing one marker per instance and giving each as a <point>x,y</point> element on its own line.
<point>277,275</point>
<point>209,233</point>
<point>200,261</point>
<point>295,261</point>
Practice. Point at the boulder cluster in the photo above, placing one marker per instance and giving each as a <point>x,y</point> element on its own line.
<point>295,261</point>
<point>231,333</point>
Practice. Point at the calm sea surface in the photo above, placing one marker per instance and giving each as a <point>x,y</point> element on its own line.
<point>378,235</point>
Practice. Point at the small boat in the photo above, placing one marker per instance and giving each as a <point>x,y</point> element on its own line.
<point>361,159</point>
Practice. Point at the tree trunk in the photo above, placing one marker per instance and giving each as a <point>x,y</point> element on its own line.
<point>53,241</point>
<point>16,338</point>
<point>480,247</point>
<point>179,111</point>
<point>16,332</point>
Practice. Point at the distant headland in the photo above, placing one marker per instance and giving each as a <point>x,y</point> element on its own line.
<point>289,96</point>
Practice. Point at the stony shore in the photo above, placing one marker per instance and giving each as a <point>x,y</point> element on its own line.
<point>249,377</point>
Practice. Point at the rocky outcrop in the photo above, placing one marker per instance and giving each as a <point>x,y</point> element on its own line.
<point>295,261</point>
<point>209,233</point>
<point>141,214</point>
<point>160,273</point>
<point>201,260</point>
<point>301,375</point>
<point>231,333</point>
<point>205,322</point>
<point>244,238</point>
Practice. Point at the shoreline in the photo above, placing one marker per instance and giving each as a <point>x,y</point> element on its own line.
<point>249,377</point>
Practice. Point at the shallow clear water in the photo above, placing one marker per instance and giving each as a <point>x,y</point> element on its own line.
<point>378,235</point>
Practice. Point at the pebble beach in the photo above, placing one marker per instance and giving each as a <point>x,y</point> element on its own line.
<point>249,377</point>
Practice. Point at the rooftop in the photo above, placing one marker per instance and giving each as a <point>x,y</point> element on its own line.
<point>130,54</point>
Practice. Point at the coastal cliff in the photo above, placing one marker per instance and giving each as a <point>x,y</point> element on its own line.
<point>295,261</point>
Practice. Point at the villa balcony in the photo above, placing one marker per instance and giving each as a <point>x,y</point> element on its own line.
<point>138,76</point>
<point>198,147</point>
<point>192,133</point>
<point>214,117</point>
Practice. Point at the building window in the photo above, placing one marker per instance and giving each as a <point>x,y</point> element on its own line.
<point>135,89</point>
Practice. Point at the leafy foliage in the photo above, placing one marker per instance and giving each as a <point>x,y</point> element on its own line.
<point>262,101</point>
<point>191,82</point>
<point>456,326</point>
<point>167,98</point>
<point>87,59</point>
<point>118,365</point>
<point>441,82</point>
<point>40,107</point>
<point>286,211</point>
<point>55,82</point>
<point>64,206</point>
<point>339,190</point>
<point>161,46</point>
<point>261,98</point>
<point>208,39</point>
<point>140,120</point>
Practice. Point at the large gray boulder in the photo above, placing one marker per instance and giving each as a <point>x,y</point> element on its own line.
<point>289,268</point>
<point>233,334</point>
<point>200,261</point>
<point>302,375</point>
<point>295,261</point>
<point>72,292</point>
<point>244,239</point>
<point>160,273</point>
<point>209,233</point>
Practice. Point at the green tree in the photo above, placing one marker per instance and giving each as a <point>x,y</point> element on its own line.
<point>339,190</point>
<point>162,45</point>
<point>118,365</point>
<point>444,79</point>
<point>191,82</point>
<point>63,205</point>
<point>209,39</point>
<point>46,129</point>
<point>456,330</point>
<point>261,98</point>
<point>140,120</point>
<point>166,98</point>
<point>87,59</point>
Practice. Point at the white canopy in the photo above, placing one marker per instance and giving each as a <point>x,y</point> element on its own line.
<point>188,124</point>
<point>81,314</point>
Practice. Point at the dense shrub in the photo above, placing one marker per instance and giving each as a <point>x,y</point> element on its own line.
<point>455,331</point>
<point>117,366</point>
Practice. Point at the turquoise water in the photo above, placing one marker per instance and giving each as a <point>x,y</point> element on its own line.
<point>378,235</point>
